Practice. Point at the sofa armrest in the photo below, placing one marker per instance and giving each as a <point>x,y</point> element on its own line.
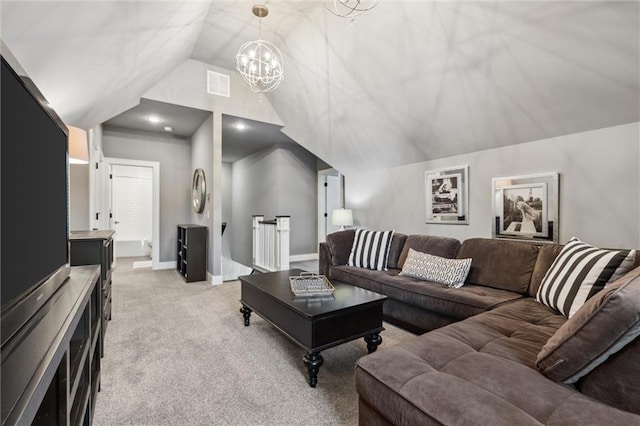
<point>324,259</point>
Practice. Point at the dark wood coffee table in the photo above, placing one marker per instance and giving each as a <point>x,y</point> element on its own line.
<point>315,323</point>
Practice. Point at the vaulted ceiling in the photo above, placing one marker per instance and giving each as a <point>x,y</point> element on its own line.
<point>409,81</point>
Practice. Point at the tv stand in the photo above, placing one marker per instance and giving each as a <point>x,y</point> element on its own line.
<point>51,366</point>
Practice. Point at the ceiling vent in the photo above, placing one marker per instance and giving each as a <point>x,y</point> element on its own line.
<point>218,84</point>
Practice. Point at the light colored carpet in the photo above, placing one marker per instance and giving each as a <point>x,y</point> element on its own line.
<point>178,353</point>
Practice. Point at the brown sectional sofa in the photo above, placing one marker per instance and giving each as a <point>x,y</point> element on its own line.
<point>477,363</point>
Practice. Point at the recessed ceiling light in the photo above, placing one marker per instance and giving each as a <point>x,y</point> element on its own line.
<point>240,126</point>
<point>154,119</point>
<point>168,128</point>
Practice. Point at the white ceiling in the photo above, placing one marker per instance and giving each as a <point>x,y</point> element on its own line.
<point>410,81</point>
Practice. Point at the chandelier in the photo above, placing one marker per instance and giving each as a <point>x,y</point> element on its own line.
<point>349,8</point>
<point>259,62</point>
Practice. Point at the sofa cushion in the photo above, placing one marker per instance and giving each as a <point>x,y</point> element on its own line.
<point>502,264</point>
<point>423,266</point>
<point>397,244</point>
<point>457,303</point>
<point>339,245</point>
<point>616,381</point>
<point>370,249</point>
<point>546,255</point>
<point>437,246</point>
<point>579,272</point>
<point>601,327</point>
<point>477,371</point>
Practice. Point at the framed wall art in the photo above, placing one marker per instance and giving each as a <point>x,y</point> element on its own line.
<point>447,196</point>
<point>526,207</point>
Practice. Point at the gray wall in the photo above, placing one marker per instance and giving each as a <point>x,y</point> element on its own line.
<point>174,156</point>
<point>599,187</point>
<point>227,207</point>
<point>202,157</point>
<point>280,180</point>
<point>186,85</point>
<point>79,197</point>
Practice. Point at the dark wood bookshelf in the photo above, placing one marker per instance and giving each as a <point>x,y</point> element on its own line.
<point>191,260</point>
<point>50,367</point>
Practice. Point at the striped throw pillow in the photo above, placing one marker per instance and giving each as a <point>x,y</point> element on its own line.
<point>370,249</point>
<point>579,272</point>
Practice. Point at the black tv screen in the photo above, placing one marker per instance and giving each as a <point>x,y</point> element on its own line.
<point>34,223</point>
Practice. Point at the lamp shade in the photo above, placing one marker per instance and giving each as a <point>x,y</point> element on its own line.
<point>78,148</point>
<point>342,217</point>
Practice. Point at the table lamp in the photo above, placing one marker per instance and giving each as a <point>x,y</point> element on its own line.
<point>342,218</point>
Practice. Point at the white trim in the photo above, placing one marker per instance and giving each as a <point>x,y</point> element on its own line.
<point>303,257</point>
<point>155,233</point>
<point>172,264</point>
<point>214,279</point>
<point>142,264</point>
<point>322,202</point>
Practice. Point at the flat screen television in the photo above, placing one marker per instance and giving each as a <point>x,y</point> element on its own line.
<point>34,246</point>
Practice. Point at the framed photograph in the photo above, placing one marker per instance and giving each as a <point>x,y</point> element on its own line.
<point>524,210</point>
<point>526,207</point>
<point>446,196</point>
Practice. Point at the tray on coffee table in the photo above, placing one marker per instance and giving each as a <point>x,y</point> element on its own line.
<point>310,284</point>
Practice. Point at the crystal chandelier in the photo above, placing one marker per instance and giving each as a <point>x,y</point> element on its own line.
<point>259,62</point>
<point>349,8</point>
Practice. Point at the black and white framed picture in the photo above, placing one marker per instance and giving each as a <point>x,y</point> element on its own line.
<point>524,210</point>
<point>526,207</point>
<point>446,195</point>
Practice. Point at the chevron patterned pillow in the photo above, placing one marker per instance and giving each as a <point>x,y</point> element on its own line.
<point>450,272</point>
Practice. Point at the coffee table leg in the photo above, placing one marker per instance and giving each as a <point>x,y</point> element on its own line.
<point>373,341</point>
<point>313,361</point>
<point>246,314</point>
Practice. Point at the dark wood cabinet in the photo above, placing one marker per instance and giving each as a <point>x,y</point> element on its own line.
<point>96,248</point>
<point>192,252</point>
<point>51,366</point>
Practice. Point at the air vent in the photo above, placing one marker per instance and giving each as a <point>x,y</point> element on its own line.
<point>218,84</point>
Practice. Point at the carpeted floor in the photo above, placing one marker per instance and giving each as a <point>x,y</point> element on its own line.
<point>178,353</point>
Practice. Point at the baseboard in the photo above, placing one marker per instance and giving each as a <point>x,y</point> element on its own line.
<point>166,265</point>
<point>142,264</point>
<point>214,279</point>
<point>303,257</point>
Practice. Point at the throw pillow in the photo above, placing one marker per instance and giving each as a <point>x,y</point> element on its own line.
<point>601,327</point>
<point>370,249</point>
<point>579,272</point>
<point>450,272</point>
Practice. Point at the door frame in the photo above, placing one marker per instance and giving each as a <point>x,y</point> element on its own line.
<point>322,202</point>
<point>155,233</point>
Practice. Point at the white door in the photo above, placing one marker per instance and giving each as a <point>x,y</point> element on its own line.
<point>132,209</point>
<point>333,200</point>
<point>329,199</point>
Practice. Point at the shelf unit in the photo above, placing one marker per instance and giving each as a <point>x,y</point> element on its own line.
<point>51,367</point>
<point>96,248</point>
<point>192,252</point>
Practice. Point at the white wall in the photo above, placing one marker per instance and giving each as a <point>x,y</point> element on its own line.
<point>174,156</point>
<point>599,187</point>
<point>419,80</point>
<point>279,180</point>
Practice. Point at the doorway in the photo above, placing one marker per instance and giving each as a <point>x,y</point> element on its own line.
<point>329,199</point>
<point>133,195</point>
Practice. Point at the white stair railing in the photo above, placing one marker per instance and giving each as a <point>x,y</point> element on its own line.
<point>271,243</point>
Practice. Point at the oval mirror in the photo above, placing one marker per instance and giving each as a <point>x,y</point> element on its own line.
<point>198,191</point>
